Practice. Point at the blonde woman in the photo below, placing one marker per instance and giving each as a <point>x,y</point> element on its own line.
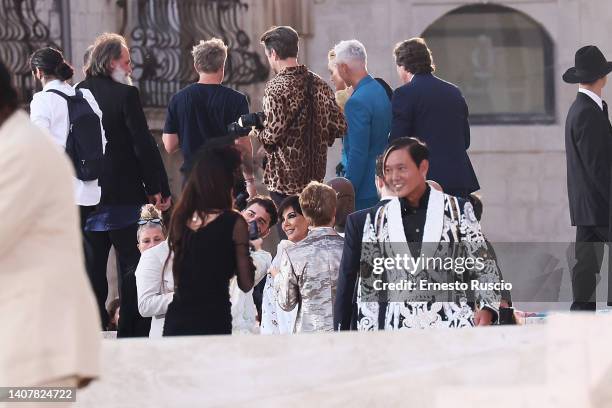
<point>154,282</point>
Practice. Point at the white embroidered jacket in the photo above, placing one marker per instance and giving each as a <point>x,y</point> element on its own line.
<point>451,231</point>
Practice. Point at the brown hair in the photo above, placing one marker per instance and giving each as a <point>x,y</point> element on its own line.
<point>208,190</point>
<point>318,202</point>
<point>106,48</point>
<point>209,56</point>
<point>284,40</point>
<point>268,204</point>
<point>414,56</point>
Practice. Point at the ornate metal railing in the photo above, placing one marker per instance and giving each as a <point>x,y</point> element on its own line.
<point>26,25</point>
<point>163,34</point>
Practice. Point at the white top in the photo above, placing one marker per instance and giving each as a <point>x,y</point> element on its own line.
<point>50,112</point>
<point>153,296</point>
<point>244,312</point>
<point>274,320</point>
<point>593,96</point>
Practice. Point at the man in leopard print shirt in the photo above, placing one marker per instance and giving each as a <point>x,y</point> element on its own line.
<point>302,118</point>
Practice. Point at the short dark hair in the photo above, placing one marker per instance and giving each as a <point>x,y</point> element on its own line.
<point>414,56</point>
<point>417,149</point>
<point>379,170</point>
<point>8,94</point>
<point>283,40</point>
<point>292,202</point>
<point>268,205</point>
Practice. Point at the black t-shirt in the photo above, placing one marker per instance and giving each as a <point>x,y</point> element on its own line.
<point>200,112</point>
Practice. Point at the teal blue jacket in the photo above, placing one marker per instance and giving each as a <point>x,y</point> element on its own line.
<point>368,115</point>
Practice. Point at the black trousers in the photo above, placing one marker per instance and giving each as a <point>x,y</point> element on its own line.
<point>589,251</point>
<point>96,246</point>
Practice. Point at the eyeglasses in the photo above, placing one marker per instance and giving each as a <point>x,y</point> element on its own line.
<point>148,220</point>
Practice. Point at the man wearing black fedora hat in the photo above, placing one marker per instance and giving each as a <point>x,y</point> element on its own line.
<point>588,147</point>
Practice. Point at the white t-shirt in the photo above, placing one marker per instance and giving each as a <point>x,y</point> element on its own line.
<point>50,112</point>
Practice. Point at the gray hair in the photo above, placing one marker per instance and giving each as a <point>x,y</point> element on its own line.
<point>209,56</point>
<point>106,48</point>
<point>351,53</point>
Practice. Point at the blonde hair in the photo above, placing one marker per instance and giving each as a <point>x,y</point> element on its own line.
<point>318,202</point>
<point>148,212</point>
<point>209,56</point>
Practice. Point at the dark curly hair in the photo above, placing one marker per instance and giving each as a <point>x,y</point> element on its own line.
<point>414,56</point>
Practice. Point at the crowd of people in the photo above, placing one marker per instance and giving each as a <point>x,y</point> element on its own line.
<point>197,266</point>
<point>196,269</point>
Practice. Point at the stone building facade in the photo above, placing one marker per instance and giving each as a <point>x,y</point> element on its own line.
<point>519,157</point>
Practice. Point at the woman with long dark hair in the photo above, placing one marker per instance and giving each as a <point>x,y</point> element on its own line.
<point>210,244</point>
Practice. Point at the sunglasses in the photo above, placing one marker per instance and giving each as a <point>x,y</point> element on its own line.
<point>153,220</point>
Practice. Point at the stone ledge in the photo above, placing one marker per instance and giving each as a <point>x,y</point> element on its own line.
<point>563,363</point>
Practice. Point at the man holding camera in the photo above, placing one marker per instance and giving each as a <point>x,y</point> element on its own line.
<point>202,111</point>
<point>261,214</point>
<point>302,118</point>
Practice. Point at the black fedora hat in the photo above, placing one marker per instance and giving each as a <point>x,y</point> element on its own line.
<point>590,65</point>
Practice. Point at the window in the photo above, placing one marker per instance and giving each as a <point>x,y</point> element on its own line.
<point>501,59</point>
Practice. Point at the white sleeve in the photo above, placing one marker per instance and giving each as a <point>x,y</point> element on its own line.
<point>40,114</point>
<point>262,261</point>
<point>151,302</point>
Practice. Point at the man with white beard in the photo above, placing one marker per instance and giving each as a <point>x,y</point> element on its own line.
<point>133,175</point>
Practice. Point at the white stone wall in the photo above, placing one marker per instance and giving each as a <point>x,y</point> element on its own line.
<point>521,169</point>
<point>88,20</point>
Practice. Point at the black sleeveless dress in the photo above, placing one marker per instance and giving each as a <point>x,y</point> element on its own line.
<point>213,255</point>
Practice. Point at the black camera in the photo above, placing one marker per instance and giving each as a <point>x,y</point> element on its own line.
<point>246,123</point>
<point>253,230</point>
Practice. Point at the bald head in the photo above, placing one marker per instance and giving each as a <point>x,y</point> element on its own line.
<point>345,194</point>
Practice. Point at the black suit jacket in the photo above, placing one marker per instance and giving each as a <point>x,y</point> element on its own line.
<point>588,149</point>
<point>133,165</point>
<point>434,111</point>
<point>346,290</point>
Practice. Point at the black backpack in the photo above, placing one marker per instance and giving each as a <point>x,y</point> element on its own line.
<point>84,141</point>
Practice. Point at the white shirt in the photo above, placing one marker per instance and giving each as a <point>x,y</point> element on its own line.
<point>593,96</point>
<point>50,112</point>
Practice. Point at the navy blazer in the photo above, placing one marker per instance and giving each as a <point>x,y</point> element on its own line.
<point>435,111</point>
<point>346,290</point>
<point>588,149</point>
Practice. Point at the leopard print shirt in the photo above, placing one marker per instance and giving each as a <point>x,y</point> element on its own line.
<point>295,153</point>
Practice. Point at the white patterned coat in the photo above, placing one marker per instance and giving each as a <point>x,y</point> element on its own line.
<point>449,221</point>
